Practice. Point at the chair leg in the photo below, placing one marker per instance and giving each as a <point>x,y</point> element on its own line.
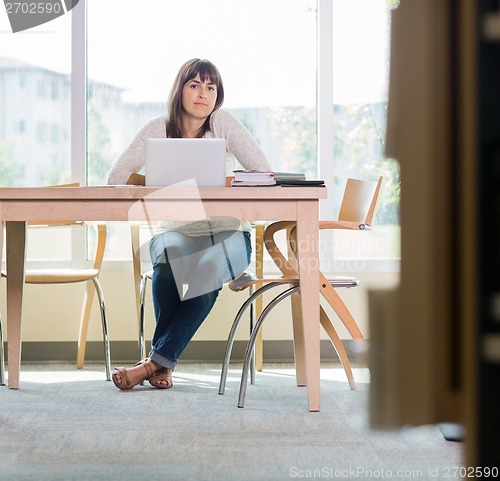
<point>84,325</point>
<point>253,337</point>
<point>142,295</point>
<point>252,323</point>
<point>325,322</point>
<point>107,355</point>
<point>340,308</point>
<point>339,347</point>
<point>2,358</point>
<point>234,329</point>
<point>259,347</point>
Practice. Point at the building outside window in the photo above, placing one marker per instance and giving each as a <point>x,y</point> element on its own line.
<point>32,153</point>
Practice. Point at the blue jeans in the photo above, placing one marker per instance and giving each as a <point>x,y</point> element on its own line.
<point>202,263</point>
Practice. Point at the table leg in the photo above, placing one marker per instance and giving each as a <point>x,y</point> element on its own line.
<point>16,248</point>
<point>298,334</point>
<point>308,259</point>
<point>298,340</point>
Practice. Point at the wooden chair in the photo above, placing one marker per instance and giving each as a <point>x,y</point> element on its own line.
<point>356,213</point>
<point>70,276</point>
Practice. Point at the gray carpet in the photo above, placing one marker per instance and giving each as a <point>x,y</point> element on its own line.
<point>65,424</point>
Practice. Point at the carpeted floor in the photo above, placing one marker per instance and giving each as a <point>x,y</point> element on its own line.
<point>65,424</point>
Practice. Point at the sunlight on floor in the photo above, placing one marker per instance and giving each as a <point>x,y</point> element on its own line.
<point>59,373</point>
<point>64,373</point>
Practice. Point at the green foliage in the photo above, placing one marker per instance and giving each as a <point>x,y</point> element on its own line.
<point>295,128</point>
<point>359,146</point>
<point>55,173</point>
<point>288,135</point>
<point>99,157</point>
<point>10,172</point>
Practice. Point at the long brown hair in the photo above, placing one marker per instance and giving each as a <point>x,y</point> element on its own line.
<point>207,71</point>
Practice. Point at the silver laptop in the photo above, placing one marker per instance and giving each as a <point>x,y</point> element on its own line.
<point>170,161</point>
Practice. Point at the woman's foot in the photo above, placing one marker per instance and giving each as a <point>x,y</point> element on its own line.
<point>161,379</point>
<point>125,379</point>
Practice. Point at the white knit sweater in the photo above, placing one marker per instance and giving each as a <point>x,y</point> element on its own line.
<point>222,125</point>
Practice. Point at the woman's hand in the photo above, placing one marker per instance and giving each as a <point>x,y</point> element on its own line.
<point>136,179</point>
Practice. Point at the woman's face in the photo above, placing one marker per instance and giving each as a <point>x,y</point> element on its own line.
<point>199,97</point>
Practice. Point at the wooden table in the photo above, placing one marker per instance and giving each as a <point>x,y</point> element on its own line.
<point>20,205</point>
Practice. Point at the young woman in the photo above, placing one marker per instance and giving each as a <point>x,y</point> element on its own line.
<point>203,254</point>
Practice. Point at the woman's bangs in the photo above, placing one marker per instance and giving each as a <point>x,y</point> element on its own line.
<point>206,71</point>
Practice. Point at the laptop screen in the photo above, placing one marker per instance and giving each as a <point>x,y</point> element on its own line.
<point>170,161</point>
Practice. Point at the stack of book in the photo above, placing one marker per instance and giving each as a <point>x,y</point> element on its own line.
<point>258,178</point>
<point>302,183</point>
<point>296,179</point>
<point>283,177</point>
<point>253,178</point>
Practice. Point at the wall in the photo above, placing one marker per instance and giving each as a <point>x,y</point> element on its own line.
<point>51,313</point>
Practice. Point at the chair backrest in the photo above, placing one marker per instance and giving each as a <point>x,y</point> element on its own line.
<point>356,212</point>
<point>359,201</point>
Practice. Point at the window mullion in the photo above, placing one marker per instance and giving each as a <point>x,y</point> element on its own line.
<point>325,100</point>
<point>78,111</point>
<point>79,94</point>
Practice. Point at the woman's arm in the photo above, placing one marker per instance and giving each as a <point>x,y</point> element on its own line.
<point>128,165</point>
<point>238,140</point>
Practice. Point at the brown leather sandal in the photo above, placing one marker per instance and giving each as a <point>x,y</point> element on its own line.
<point>126,384</point>
<point>158,378</point>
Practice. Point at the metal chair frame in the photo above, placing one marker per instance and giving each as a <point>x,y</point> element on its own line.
<point>356,213</point>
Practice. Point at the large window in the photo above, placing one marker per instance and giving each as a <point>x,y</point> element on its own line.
<point>272,57</point>
<point>360,51</point>
<point>35,119</point>
<point>35,115</point>
<point>268,67</point>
